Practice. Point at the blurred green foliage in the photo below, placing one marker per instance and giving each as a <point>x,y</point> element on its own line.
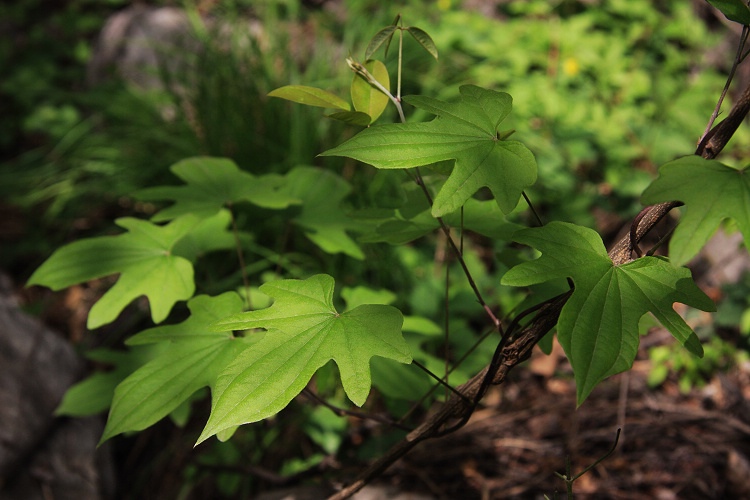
<point>691,372</point>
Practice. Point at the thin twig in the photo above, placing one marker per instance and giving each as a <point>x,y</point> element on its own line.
<point>440,381</point>
<point>458,362</point>
<point>737,59</point>
<point>447,337</point>
<point>533,210</point>
<point>353,413</point>
<point>460,258</point>
<point>240,257</point>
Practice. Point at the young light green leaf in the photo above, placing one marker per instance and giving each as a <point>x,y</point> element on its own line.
<point>213,183</point>
<point>304,332</point>
<point>144,258</point>
<point>711,192</point>
<point>424,40</point>
<point>598,326</point>
<point>310,96</point>
<point>734,10</point>
<point>193,359</point>
<point>466,132</point>
<point>382,36</point>
<point>365,97</point>
<point>351,117</point>
<point>325,224</point>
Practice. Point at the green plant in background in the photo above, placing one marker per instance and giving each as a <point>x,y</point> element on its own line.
<point>267,333</point>
<point>603,95</point>
<point>88,151</point>
<point>719,356</point>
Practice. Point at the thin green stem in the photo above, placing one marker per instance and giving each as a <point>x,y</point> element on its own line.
<point>353,413</point>
<point>447,337</point>
<point>737,59</point>
<point>611,450</point>
<point>400,60</point>
<point>533,210</point>
<point>460,258</point>
<point>661,241</point>
<point>568,480</point>
<point>440,381</point>
<point>240,257</point>
<point>458,363</point>
<point>461,237</point>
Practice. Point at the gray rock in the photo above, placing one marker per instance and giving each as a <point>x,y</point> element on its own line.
<point>43,456</point>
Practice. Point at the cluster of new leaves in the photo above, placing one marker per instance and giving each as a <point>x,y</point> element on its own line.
<point>369,102</point>
<point>370,88</point>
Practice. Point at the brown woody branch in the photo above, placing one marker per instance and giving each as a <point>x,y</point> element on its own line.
<point>519,348</point>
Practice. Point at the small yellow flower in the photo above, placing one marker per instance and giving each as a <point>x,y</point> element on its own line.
<point>444,4</point>
<point>571,66</point>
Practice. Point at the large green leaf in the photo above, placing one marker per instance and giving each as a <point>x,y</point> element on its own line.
<point>465,131</point>
<point>734,10</point>
<point>193,359</point>
<point>144,258</point>
<point>213,183</point>
<point>304,332</point>
<point>711,192</point>
<point>598,326</point>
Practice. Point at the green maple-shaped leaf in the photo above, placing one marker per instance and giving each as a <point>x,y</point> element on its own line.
<point>194,358</point>
<point>304,332</point>
<point>144,258</point>
<point>213,183</point>
<point>598,326</point>
<point>711,192</point>
<point>465,131</point>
